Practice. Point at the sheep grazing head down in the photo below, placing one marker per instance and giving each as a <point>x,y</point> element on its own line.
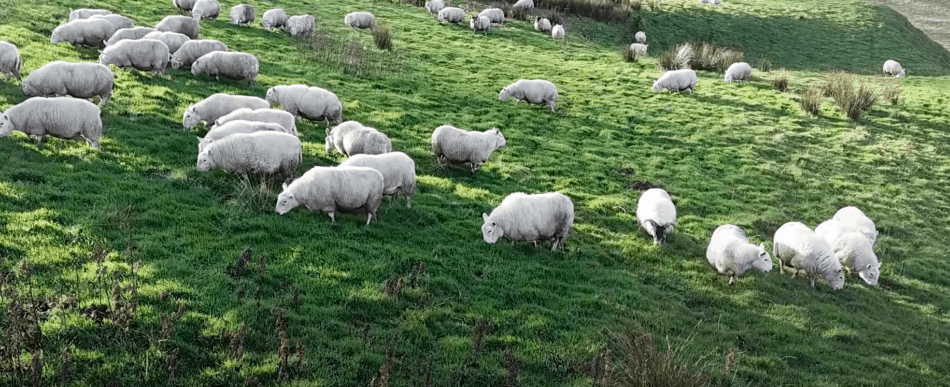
<point>6,126</point>
<point>490,230</point>
<point>55,38</point>
<point>659,232</point>
<point>286,201</point>
<point>764,261</point>
<point>656,86</point>
<point>191,118</point>
<point>504,94</point>
<point>271,96</point>
<point>835,279</point>
<point>869,273</point>
<point>205,162</point>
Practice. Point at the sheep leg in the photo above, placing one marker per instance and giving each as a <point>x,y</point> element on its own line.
<point>39,139</point>
<point>369,217</point>
<point>408,201</point>
<point>732,280</point>
<point>332,218</point>
<point>812,281</point>
<point>781,267</point>
<point>535,244</point>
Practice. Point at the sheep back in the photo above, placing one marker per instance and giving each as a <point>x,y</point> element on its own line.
<point>86,13</point>
<point>143,54</point>
<point>184,5</point>
<point>398,169</point>
<point>61,117</point>
<point>533,218</point>
<point>118,21</point>
<point>80,80</point>
<point>180,24</point>
<point>189,52</point>
<point>310,102</point>
<point>274,18</point>
<point>173,40</point>
<point>273,116</point>
<point>228,64</point>
<point>854,218</point>
<point>237,126</point>
<point>796,245</point>
<point>217,105</point>
<point>10,61</point>
<point>133,33</point>
<point>84,32</point>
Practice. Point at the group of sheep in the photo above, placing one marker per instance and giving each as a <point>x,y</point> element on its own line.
<point>484,20</point>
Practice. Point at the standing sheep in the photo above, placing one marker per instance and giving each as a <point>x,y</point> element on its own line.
<point>641,37</point>
<point>61,117</point>
<point>10,61</point>
<point>233,127</point>
<point>217,105</point>
<point>730,252</point>
<point>656,214</point>
<point>274,18</point>
<point>434,6</point>
<point>180,24</point>
<point>542,24</point>
<point>332,189</point>
<point>272,116</point>
<point>852,249</point>
<point>536,91</point>
<point>310,102</point>
<point>79,80</point>
<point>739,71</point>
<point>534,218</point>
<point>85,13</point>
<point>796,245</point>
<point>301,25</point>
<point>228,64</point>
<point>83,32</point>
<point>173,40</point>
<point>263,154</point>
<point>118,21</point>
<point>398,169</point>
<point>460,147</point>
<point>242,14</point>
<point>359,20</point>
<point>676,80</point>
<point>854,218</point>
<point>495,15</point>
<point>893,69</point>
<point>143,54</point>
<point>184,5</point>
<point>479,23</point>
<point>639,48</point>
<point>557,32</point>
<point>522,5</point>
<point>134,33</point>
<point>206,9</point>
<point>189,52</point>
<point>367,141</point>
<point>334,137</point>
<point>451,15</point>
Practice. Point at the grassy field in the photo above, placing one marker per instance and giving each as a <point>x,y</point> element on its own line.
<point>728,153</point>
<point>931,16</point>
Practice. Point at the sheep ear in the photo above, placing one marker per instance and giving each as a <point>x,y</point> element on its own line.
<point>328,131</point>
<point>199,138</point>
<point>762,246</point>
<point>484,216</point>
<point>284,186</point>
<point>869,266</point>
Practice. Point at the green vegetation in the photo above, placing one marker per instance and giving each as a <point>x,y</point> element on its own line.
<point>228,292</point>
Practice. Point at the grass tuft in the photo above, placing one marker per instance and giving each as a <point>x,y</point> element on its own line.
<point>780,80</point>
<point>810,100</point>
<point>852,95</point>
<point>381,34</point>
<point>641,364</point>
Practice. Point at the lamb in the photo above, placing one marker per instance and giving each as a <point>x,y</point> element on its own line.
<point>184,5</point>
<point>730,252</point>
<point>173,40</point>
<point>274,18</point>
<point>143,54</point>
<point>206,9</point>
<point>557,32</point>
<point>542,24</point>
<point>796,245</point>
<point>495,15</point>
<point>272,116</point>
<point>86,13</point>
<point>479,23</point>
<point>656,214</point>
<point>10,61</point>
<point>536,91</point>
<point>854,219</point>
<point>300,25</point>
<point>398,169</point>
<point>218,105</point>
<point>676,80</point>
<point>242,14</point>
<point>332,189</point>
<point>189,52</point>
<point>133,33</point>
<point>460,147</point>
<point>739,71</point>
<point>118,21</point>
<point>434,6</point>
<point>639,48</point>
<point>451,15</point>
<point>641,37</point>
<point>535,218</point>
<point>525,5</point>
<point>266,153</point>
<point>79,80</point>
<point>359,20</point>
<point>61,117</point>
<point>180,24</point>
<point>852,249</point>
<point>310,102</point>
<point>83,32</point>
<point>234,127</point>
<point>232,65</point>
<point>893,69</point>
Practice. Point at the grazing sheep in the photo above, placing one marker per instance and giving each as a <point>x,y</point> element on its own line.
<point>796,245</point>
<point>218,105</point>
<point>893,69</point>
<point>233,127</point>
<point>301,25</point>
<point>79,80</point>
<point>189,52</point>
<point>398,169</point>
<point>310,102</point>
<point>10,61</point>
<point>184,5</point>
<point>460,147</point>
<point>265,153</point>
<point>479,23</point>
<point>542,24</point>
<point>641,37</point>
<point>143,54</point>
<point>272,116</point>
<point>366,141</point>
<point>434,6</point>
<point>242,14</point>
<point>557,32</point>
<point>451,15</point>
<point>656,214</point>
<point>133,33</point>
<point>332,189</point>
<point>536,91</point>
<point>274,18</point>
<point>180,24</point>
<point>525,5</point>
<point>854,218</point>
<point>206,9</point>
<point>83,32</point>
<point>359,20</point>
<point>228,64</point>
<point>173,40</point>
<point>534,218</point>
<point>639,48</point>
<point>730,252</point>
<point>334,137</point>
<point>118,21</point>
<point>495,15</point>
<point>676,80</point>
<point>85,13</point>
<point>739,71</point>
<point>61,117</point>
<point>852,249</point>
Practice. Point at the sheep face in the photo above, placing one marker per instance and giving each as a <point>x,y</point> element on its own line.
<point>55,38</point>
<point>190,119</point>
<point>500,138</point>
<point>6,126</point>
<point>764,260</point>
<point>271,96</point>
<point>504,94</point>
<point>175,62</point>
<point>835,279</point>
<point>197,66</point>
<point>197,14</point>
<point>902,73</point>
<point>727,79</point>
<point>869,273</point>
<point>658,232</point>
<point>656,87</point>
<point>329,144</point>
<point>205,162</point>
<point>490,230</point>
<point>286,201</point>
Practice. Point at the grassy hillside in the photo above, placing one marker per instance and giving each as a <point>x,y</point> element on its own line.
<point>728,153</point>
<point>931,16</point>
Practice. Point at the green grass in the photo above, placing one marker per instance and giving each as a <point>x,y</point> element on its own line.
<point>728,153</point>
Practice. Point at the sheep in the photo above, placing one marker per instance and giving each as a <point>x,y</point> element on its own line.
<point>143,54</point>
<point>180,24</point>
<point>79,80</point>
<point>852,249</point>
<point>460,147</point>
<point>84,32</point>
<point>133,33</point>
<point>534,218</point>
<point>233,127</point>
<point>656,214</point>
<point>641,37</point>
<point>184,5</point>
<point>893,69</point>
<point>332,189</point>
<point>542,24</point>
<point>676,80</point>
<point>228,64</point>
<point>206,9</point>
<point>272,116</point>
<point>173,40</point>
<point>366,140</point>
<point>536,91</point>
<point>451,15</point>
<point>398,169</point>
<point>10,61</point>
<point>274,18</point>
<point>334,137</point>
<point>479,23</point>
<point>218,105</point>
<point>301,25</point>
<point>739,71</point>
<point>118,21</point>
<point>189,52</point>
<point>495,15</point>
<point>86,13</point>
<point>359,20</point>
<point>310,102</point>
<point>639,48</point>
<point>265,153</point>
<point>242,14</point>
<point>796,245</point>
<point>730,253</point>
<point>522,5</point>
<point>61,117</point>
<point>853,218</point>
<point>557,32</point>
<point>434,6</point>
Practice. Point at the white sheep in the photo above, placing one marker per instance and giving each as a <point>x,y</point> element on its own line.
<point>180,24</point>
<point>536,91</point>
<point>542,24</point>
<point>557,32</point>
<point>398,169</point>
<point>79,80</point>
<point>206,9</point>
<point>228,64</point>
<point>451,15</point>
<point>739,71</point>
<point>460,147</point>
<point>85,13</point>
<point>640,37</point>
<point>656,214</point>
<point>61,117</point>
<point>434,6</point>
<point>367,141</point>
<point>242,14</point>
<point>118,21</point>
<point>10,61</point>
<point>334,136</point>
<point>272,116</point>
<point>143,54</point>
<point>189,52</point>
<point>133,33</point>
<point>359,20</point>
<point>479,23</point>
<point>534,218</point>
<point>639,48</point>
<point>264,154</point>
<point>495,15</point>
<point>173,40</point>
<point>852,249</point>
<point>274,18</point>
<point>525,5</point>
<point>301,25</point>
<point>796,245</point>
<point>218,105</point>
<point>310,102</point>
<point>83,32</point>
<point>233,127</point>
<point>676,80</point>
<point>854,218</point>
<point>893,69</point>
<point>730,252</point>
<point>332,189</point>
<point>184,5</point>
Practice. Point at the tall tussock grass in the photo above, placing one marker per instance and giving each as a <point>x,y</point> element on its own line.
<point>640,363</point>
<point>852,94</point>
<point>700,56</point>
